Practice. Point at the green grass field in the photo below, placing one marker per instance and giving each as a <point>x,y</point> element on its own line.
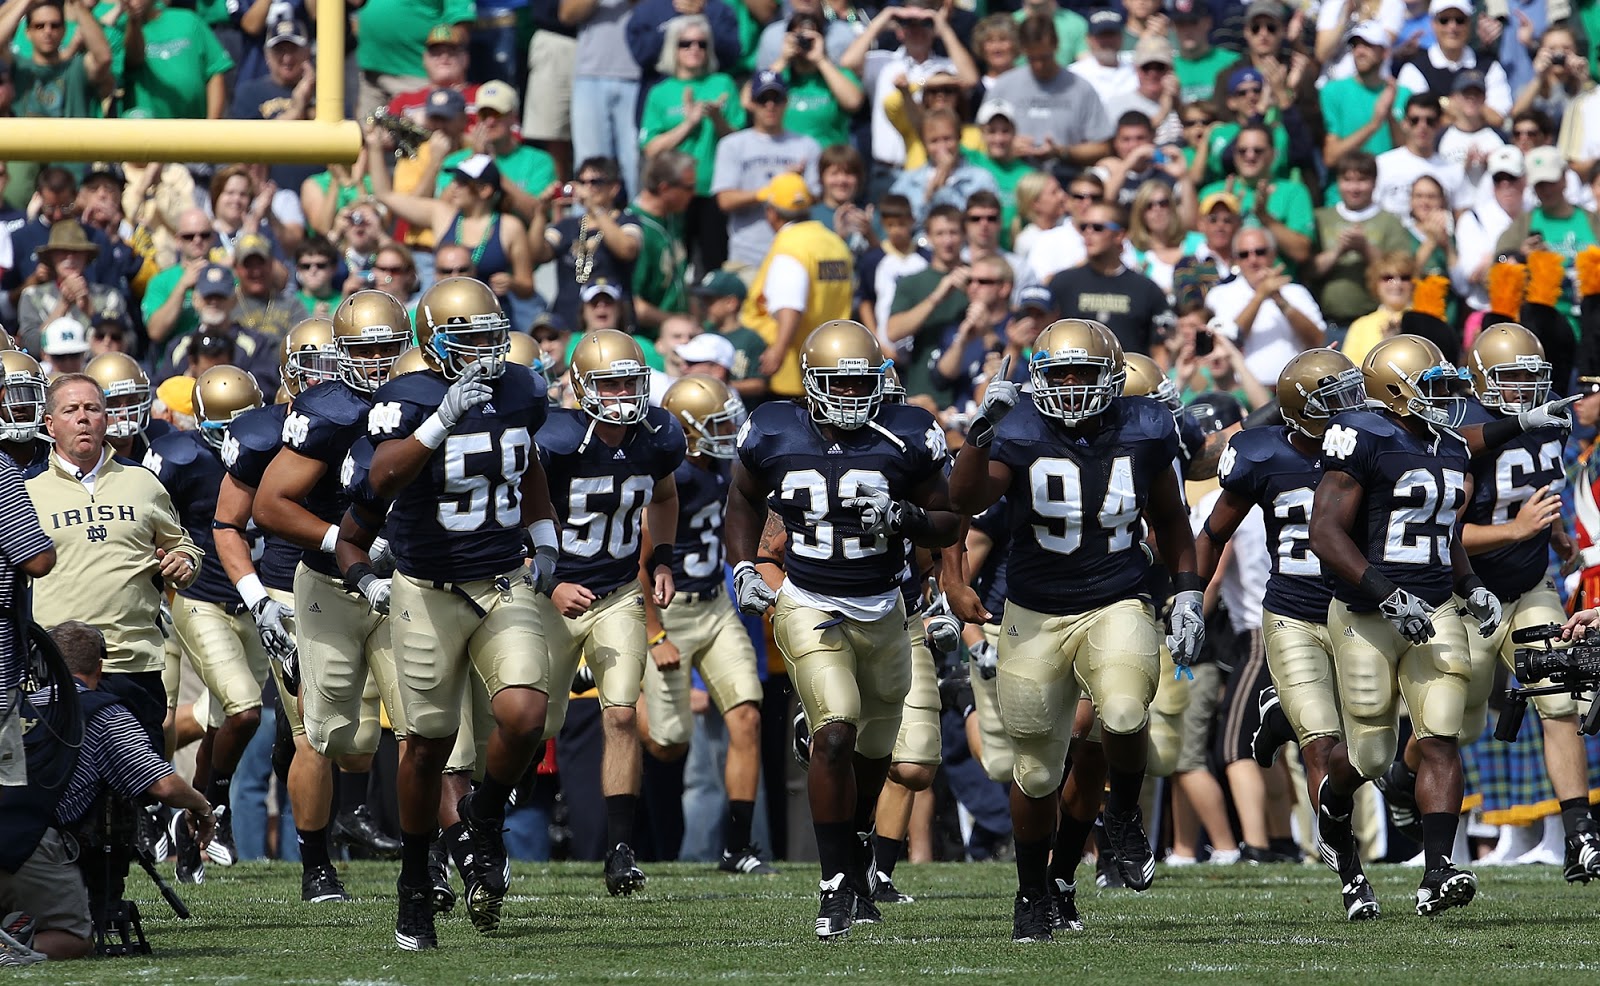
<point>1236,925</point>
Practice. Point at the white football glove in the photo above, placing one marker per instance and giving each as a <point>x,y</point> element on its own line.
<point>377,592</point>
<point>880,513</point>
<point>998,400</point>
<point>1550,413</point>
<point>755,596</point>
<point>467,392</point>
<point>986,659</point>
<point>1188,627</point>
<point>544,568</point>
<point>269,615</point>
<point>1485,608</point>
<point>944,633</point>
<point>164,620</point>
<point>1409,615</point>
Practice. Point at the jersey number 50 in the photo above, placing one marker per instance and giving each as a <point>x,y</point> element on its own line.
<point>478,491</point>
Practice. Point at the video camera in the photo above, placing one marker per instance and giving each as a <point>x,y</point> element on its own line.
<point>109,844</point>
<point>1571,670</point>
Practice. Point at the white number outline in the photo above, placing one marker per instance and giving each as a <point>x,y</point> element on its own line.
<point>1511,490</point>
<point>1118,514</point>
<point>1402,547</point>
<point>476,489</point>
<point>814,486</point>
<point>1293,507</point>
<point>587,529</point>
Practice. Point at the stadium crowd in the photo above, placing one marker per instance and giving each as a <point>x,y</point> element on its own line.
<point>1223,184</point>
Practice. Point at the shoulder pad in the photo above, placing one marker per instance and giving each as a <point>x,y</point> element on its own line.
<point>260,429</point>
<point>563,431</point>
<point>333,402</point>
<point>178,448</point>
<point>1477,414</point>
<point>1143,418</point>
<point>667,434</point>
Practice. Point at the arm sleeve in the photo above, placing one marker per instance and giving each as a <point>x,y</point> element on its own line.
<point>169,534</point>
<point>787,286</point>
<point>644,34</point>
<point>21,537</point>
<point>130,766</point>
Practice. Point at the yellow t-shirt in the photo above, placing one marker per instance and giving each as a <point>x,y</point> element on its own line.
<point>894,107</point>
<point>829,268</point>
<point>1367,331</point>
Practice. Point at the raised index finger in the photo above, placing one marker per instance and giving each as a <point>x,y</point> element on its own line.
<point>1004,373</point>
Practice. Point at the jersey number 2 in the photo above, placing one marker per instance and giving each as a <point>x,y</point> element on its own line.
<point>1438,508</point>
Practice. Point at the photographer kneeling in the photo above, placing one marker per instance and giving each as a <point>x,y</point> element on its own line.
<point>39,855</point>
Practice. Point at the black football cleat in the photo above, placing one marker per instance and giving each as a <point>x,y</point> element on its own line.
<point>1130,849</point>
<point>191,858</point>
<point>836,908</point>
<point>1399,788</point>
<point>1445,887</point>
<point>413,924</point>
<point>357,829</point>
<point>1031,918</point>
<point>1337,845</point>
<point>885,892</point>
<point>623,876</point>
<point>222,849</point>
<point>320,885</point>
<point>491,868</point>
<point>444,895</point>
<point>747,860</point>
<point>1583,853</point>
<point>1064,906</point>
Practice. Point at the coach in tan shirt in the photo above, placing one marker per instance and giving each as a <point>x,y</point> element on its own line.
<point>118,541</point>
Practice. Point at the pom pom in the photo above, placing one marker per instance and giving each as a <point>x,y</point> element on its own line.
<point>1507,281</point>
<point>1545,274</point>
<point>1428,297</point>
<point>1589,271</point>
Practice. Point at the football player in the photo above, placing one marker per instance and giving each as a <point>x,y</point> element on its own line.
<point>209,615</point>
<point>850,482</point>
<point>611,463</point>
<point>976,599</point>
<point>299,497</point>
<point>22,413</point>
<point>129,430</point>
<point>1511,523</point>
<point>453,449</point>
<point>1278,470</point>
<point>1383,522</point>
<point>1079,464</point>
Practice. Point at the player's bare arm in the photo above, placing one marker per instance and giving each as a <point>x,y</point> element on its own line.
<point>1333,513</point>
<point>1227,514</point>
<point>278,502</point>
<point>1169,522</point>
<point>234,503</point>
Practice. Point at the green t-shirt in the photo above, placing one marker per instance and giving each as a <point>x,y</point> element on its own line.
<point>747,349</point>
<point>319,306</point>
<point>528,167</point>
<point>1072,34</point>
<point>22,47</point>
<point>1224,134</point>
<point>1343,294</point>
<point>909,292</point>
<point>392,32</point>
<point>56,91</point>
<point>181,54</point>
<point>659,272</point>
<point>1289,201</point>
<point>664,109</point>
<point>1347,106</point>
<point>1197,77</point>
<point>159,290</point>
<point>1566,237</point>
<point>1006,175</point>
<point>813,111</point>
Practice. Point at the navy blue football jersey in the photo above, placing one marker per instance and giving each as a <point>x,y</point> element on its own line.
<point>990,583</point>
<point>811,476</point>
<point>1262,466</point>
<point>1415,489</point>
<point>1076,501</point>
<point>600,492</point>
<point>192,472</point>
<point>461,518</point>
<point>1502,481</point>
<point>355,476</point>
<point>323,424</point>
<point>40,450</point>
<point>697,554</point>
<point>253,439</point>
<point>1191,442</point>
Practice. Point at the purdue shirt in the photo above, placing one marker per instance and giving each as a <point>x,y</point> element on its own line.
<point>106,572</point>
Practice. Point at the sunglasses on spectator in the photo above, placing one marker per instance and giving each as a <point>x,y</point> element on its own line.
<point>685,43</point>
<point>591,182</point>
<point>1247,91</point>
<point>987,282</point>
<point>1250,151</point>
<point>1257,252</point>
<point>1451,21</point>
<point>314,265</point>
<point>106,332</point>
<point>1084,196</point>
<point>1198,121</point>
<point>453,271</point>
<point>1423,120</point>
<point>983,217</point>
<point>1265,27</point>
<point>1101,228</point>
<point>191,237</point>
<point>1159,204</point>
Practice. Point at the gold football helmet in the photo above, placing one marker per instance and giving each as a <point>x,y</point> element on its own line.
<point>410,361</point>
<point>1062,356</point>
<point>843,368</point>
<point>309,356</point>
<point>460,321</point>
<point>370,329</point>
<point>610,378</point>
<point>522,349</point>
<point>1145,379</point>
<point>1410,376</point>
<point>127,392</point>
<point>22,402</point>
<point>282,396</point>
<point>894,391</point>
<point>1508,368</point>
<point>221,394</point>
<point>6,340</point>
<point>1316,385</point>
<point>710,412</point>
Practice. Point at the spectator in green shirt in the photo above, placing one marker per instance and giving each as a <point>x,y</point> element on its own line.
<point>660,273</point>
<point>1283,207</point>
<point>56,81</point>
<point>525,171</point>
<point>997,118</point>
<point>315,261</point>
<point>822,96</point>
<point>168,304</point>
<point>1359,112</point>
<point>185,80</point>
<point>1198,62</point>
<point>393,33</point>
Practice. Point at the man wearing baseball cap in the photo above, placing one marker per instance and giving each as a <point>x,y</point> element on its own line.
<point>444,61</point>
<point>1061,116</point>
<point>748,159</point>
<point>1554,223</point>
<point>1434,69</point>
<point>286,92</point>
<point>1198,61</point>
<point>399,38</point>
<point>721,294</point>
<point>1362,111</point>
<point>527,170</point>
<point>806,278</point>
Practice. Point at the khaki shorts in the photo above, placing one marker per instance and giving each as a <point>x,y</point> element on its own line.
<point>225,651</point>
<point>998,756</point>
<point>1376,667</point>
<point>1166,718</point>
<point>919,738</point>
<point>548,115</point>
<point>441,636</point>
<point>1536,606</point>
<point>1205,694</point>
<point>855,672</point>
<point>609,637</point>
<point>50,887</point>
<point>1113,650</point>
<point>1300,660</point>
<point>340,642</point>
<point>710,638</point>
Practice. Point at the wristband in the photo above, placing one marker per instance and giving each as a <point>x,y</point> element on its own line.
<point>660,637</point>
<point>1188,582</point>
<point>1205,529</point>
<point>543,533</point>
<point>661,555</point>
<point>1376,585</point>
<point>1500,431</point>
<point>251,590</point>
<point>355,573</point>
<point>913,520</point>
<point>1466,584</point>
<point>219,525</point>
<point>330,539</point>
<point>432,432</point>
